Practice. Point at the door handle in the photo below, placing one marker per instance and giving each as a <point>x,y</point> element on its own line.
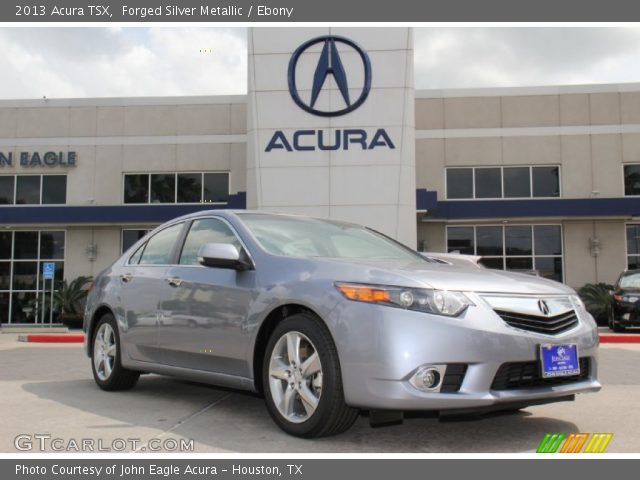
<point>126,277</point>
<point>174,281</point>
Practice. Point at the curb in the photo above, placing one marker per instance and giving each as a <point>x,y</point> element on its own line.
<point>52,338</point>
<point>619,338</point>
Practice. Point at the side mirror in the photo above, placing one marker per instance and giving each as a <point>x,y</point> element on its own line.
<point>223,255</point>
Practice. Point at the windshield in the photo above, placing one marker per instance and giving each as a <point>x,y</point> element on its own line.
<point>630,281</point>
<point>310,237</point>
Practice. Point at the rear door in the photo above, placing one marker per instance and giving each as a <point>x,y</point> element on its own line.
<point>142,279</point>
<point>203,309</point>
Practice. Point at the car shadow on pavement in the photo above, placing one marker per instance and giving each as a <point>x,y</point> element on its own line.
<point>221,419</point>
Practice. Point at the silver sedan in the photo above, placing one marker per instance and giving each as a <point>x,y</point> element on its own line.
<point>328,318</point>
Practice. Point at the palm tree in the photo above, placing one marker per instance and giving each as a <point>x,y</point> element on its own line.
<point>69,296</point>
<point>596,298</point>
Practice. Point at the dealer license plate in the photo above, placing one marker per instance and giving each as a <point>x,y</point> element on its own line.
<point>559,360</point>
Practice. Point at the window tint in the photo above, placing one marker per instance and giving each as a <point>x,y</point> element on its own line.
<point>6,190</point>
<point>51,245</point>
<point>136,188</point>
<point>163,188</point>
<point>216,187</point>
<point>489,240</point>
<point>129,237</point>
<point>460,239</point>
<point>203,231</point>
<point>160,246</point>
<point>632,179</point>
<point>460,183</point>
<point>546,181</point>
<point>517,182</point>
<point>189,187</point>
<point>547,239</point>
<point>54,189</point>
<point>488,183</point>
<point>28,189</point>
<point>518,240</point>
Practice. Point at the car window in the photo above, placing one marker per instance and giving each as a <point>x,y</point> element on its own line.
<point>159,247</point>
<point>630,281</point>
<point>203,231</point>
<point>135,258</point>
<point>310,237</point>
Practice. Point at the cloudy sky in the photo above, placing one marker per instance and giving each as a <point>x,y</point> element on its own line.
<point>98,62</point>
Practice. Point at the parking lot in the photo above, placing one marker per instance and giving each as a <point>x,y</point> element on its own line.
<point>48,389</point>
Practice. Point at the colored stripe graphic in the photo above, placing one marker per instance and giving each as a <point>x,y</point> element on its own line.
<point>598,442</point>
<point>574,443</point>
<point>551,442</point>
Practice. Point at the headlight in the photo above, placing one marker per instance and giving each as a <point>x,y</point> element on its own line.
<point>576,302</point>
<point>440,302</point>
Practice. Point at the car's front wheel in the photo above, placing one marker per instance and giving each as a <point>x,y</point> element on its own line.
<point>302,380</point>
<point>108,371</point>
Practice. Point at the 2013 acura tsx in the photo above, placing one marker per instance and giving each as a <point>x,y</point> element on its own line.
<point>328,318</point>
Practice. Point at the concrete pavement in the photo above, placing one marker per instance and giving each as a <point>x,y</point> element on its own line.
<point>48,389</point>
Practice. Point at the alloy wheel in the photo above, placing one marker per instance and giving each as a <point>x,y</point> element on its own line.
<point>104,351</point>
<point>295,377</point>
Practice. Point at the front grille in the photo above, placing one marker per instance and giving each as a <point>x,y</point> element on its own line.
<point>534,323</point>
<point>453,376</point>
<point>527,375</point>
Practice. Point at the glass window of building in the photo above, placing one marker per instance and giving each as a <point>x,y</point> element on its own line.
<point>545,181</point>
<point>189,187</point>
<point>459,183</point>
<point>488,182</point>
<point>196,187</point>
<point>136,188</point>
<point>632,180</point>
<point>28,189</point>
<point>6,189</point>
<point>22,255</point>
<point>503,182</point>
<point>517,182</point>
<point>461,240</point>
<point>33,189</point>
<point>524,248</point>
<point>54,189</point>
<point>216,188</point>
<point>163,188</point>
<point>633,246</point>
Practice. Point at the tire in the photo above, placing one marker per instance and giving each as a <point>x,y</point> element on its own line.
<point>106,365</point>
<point>319,377</point>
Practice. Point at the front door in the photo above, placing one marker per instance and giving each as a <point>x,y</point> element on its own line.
<point>203,309</point>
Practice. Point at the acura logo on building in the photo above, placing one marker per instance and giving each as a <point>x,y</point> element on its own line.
<point>329,63</point>
<point>543,307</point>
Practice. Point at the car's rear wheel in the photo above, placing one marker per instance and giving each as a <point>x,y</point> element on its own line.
<point>108,371</point>
<point>302,379</point>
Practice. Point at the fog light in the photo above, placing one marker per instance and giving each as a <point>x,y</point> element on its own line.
<point>426,378</point>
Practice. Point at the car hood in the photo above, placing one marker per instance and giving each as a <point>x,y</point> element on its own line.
<point>448,277</point>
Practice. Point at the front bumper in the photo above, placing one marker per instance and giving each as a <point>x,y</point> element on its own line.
<point>626,314</point>
<point>381,347</point>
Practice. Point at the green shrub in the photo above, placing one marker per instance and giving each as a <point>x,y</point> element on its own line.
<point>596,298</point>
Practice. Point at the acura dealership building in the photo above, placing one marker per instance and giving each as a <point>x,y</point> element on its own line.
<point>543,178</point>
